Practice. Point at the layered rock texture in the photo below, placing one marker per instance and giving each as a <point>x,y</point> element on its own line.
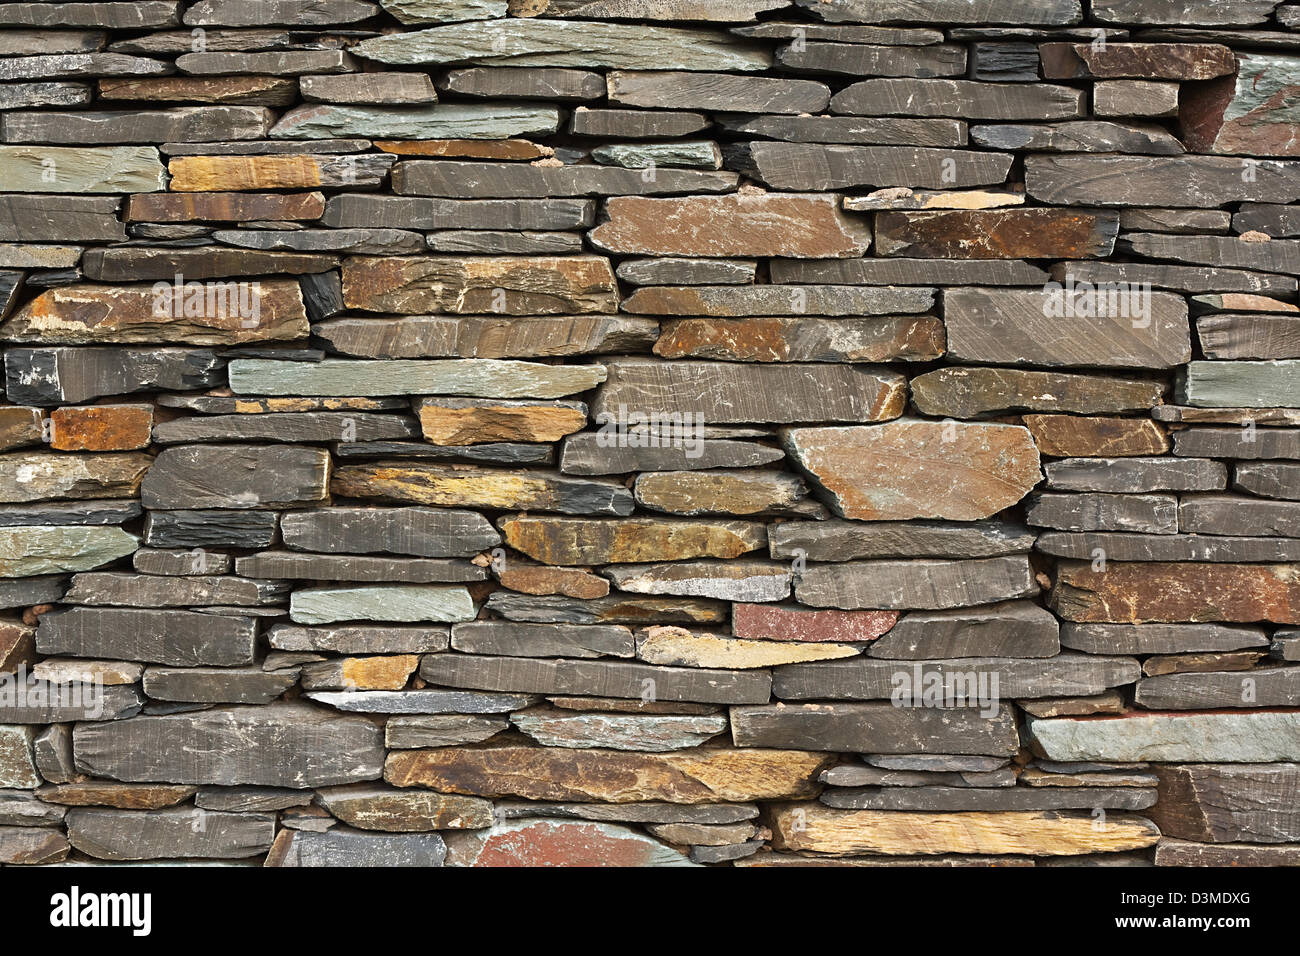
<point>659,433</point>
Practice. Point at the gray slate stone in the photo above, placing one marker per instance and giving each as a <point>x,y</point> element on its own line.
<point>179,638</point>
<point>209,529</point>
<point>878,728</point>
<point>360,638</point>
<point>515,639</point>
<point>236,476</point>
<point>471,180</point>
<point>54,376</point>
<point>920,584</point>
<point>1136,475</point>
<point>1014,629</point>
<point>422,532</point>
<point>345,847</point>
<point>170,833</point>
<point>847,540</point>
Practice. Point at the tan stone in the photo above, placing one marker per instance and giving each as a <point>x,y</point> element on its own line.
<point>588,541</point>
<point>700,775</point>
<point>910,468</point>
<point>451,421</point>
<point>1071,436</point>
<point>819,829</point>
<point>540,579</point>
<point>739,492</point>
<point>124,796</point>
<point>58,670</point>
<point>465,148</point>
<point>20,426</point>
<point>235,173</point>
<point>223,207</point>
<point>678,647</point>
<point>33,476</point>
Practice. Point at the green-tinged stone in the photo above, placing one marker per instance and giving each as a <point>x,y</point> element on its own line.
<point>484,378</point>
<point>1241,384</point>
<point>81,169</point>
<point>50,550</point>
<point>396,602</point>
<point>444,121</point>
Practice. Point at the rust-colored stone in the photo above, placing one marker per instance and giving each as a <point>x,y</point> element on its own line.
<point>101,428</point>
<point>454,421</point>
<point>1253,113</point>
<point>510,285</point>
<point>540,579</point>
<point>909,338</point>
<point>1072,436</point>
<point>796,225</point>
<point>775,622</point>
<point>465,148</point>
<point>1140,61</point>
<point>906,469</point>
<point>124,796</point>
<point>223,207</point>
<point>1137,592</point>
<point>997,234</point>
<point>387,672</point>
<point>701,775</point>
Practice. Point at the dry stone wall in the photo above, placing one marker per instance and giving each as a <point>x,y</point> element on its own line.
<point>650,432</point>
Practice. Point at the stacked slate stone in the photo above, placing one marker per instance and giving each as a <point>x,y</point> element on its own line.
<point>650,432</point>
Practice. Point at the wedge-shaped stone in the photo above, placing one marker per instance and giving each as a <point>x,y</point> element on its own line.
<point>954,681</point>
<point>1160,638</point>
<point>997,234</point>
<point>878,728</point>
<point>577,43</point>
<point>610,776</point>
<point>440,730</point>
<point>487,378</point>
<point>807,166</point>
<point>48,66</point>
<point>678,647</point>
<point>1226,803</point>
<point>1017,12</point>
<point>1046,328</point>
<point>922,584</point>
<point>723,393</point>
<point>510,83</point>
<point>1045,833</point>
<point>1010,630</point>
<point>845,540</point>
<point>103,169</point>
<point>971,392</point>
<point>917,469</point>
<point>739,492</point>
<point>513,285</point>
<point>275,745</point>
<point>482,488</point>
<point>646,733</point>
<point>36,476</point>
<point>467,180</point>
<point>1139,592</point>
<point>805,225</point>
<point>1272,479</point>
<point>175,637</point>
<point>237,476</point>
<point>424,532</point>
<point>1246,737</point>
<point>1196,182</point>
<point>590,541</point>
<point>393,602</point>
<point>966,98</point>
<point>172,833</point>
<point>717,92</point>
<point>214,313</point>
<point>723,580</point>
<point>513,639</point>
<point>376,807</point>
<point>624,679</point>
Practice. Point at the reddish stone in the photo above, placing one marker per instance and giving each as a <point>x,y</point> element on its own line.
<point>223,207</point>
<point>465,148</point>
<point>101,428</point>
<point>558,843</point>
<point>997,234</point>
<point>777,623</point>
<point>538,579</point>
<point>1139,61</point>
<point>1073,436</point>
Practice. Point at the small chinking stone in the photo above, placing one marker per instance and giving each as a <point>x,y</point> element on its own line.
<point>513,433</point>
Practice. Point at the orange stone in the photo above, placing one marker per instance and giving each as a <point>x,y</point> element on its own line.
<point>465,148</point>
<point>1073,436</point>
<point>539,579</point>
<point>101,428</point>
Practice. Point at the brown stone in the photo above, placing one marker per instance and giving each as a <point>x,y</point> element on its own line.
<point>1252,113</point>
<point>17,646</point>
<point>540,579</point>
<point>249,90</point>
<point>512,285</point>
<point>223,207</point>
<point>1138,61</point>
<point>818,829</point>
<point>918,469</point>
<point>997,234</point>
<point>81,314</point>
<point>801,226</point>
<point>458,421</point>
<point>1204,663</point>
<point>386,672</point>
<point>744,491</point>
<point>124,796</point>
<point>32,845</point>
<point>588,541</point>
<point>909,338</point>
<point>33,476</point>
<point>775,622</point>
<point>1070,436</point>
<point>20,426</point>
<point>372,806</point>
<point>1227,803</point>
<point>101,428</point>
<point>520,149</point>
<point>1132,593</point>
<point>677,647</point>
<point>701,775</point>
<point>970,392</point>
